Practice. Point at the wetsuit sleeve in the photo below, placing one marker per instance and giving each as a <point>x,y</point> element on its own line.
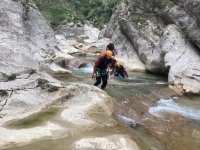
<point>95,66</point>
<point>125,72</point>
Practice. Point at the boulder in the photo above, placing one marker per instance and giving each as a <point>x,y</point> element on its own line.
<point>56,70</point>
<point>182,59</point>
<point>64,45</point>
<point>80,104</point>
<point>26,39</point>
<point>98,46</point>
<point>143,28</point>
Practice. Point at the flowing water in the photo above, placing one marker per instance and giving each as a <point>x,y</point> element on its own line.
<point>145,109</point>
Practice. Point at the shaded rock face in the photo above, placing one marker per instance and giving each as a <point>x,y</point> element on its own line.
<point>26,39</point>
<point>186,20</point>
<point>190,6</point>
<point>165,38</point>
<point>145,47</point>
<point>125,49</point>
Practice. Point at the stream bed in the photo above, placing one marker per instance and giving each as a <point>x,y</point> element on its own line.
<point>146,110</point>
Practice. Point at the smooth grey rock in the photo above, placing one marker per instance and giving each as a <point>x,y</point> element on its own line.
<point>145,29</point>
<point>147,53</point>
<point>3,77</point>
<point>98,46</point>
<point>190,26</point>
<point>56,70</point>
<point>182,59</point>
<point>25,37</point>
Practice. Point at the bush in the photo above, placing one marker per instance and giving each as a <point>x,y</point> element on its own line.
<point>184,32</point>
<point>153,3</point>
<point>59,11</point>
<point>55,12</point>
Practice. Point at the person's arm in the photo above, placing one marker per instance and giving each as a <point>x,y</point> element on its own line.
<point>95,68</point>
<point>113,69</point>
<point>125,72</point>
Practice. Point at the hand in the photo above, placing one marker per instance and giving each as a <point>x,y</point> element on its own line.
<point>94,75</point>
<point>110,76</point>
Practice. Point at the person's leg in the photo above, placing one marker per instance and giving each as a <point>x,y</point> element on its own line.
<point>116,74</point>
<point>122,74</point>
<point>98,81</point>
<point>104,79</point>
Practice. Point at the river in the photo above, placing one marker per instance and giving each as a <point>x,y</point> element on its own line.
<point>146,109</point>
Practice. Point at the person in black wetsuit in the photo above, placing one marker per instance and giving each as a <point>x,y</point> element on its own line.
<point>101,66</point>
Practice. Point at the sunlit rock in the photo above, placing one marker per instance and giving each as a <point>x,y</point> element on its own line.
<point>91,32</point>
<point>182,60</point>
<point>77,63</point>
<point>65,46</point>
<point>98,46</point>
<point>56,70</point>
<point>83,108</point>
<point>112,142</point>
<point>26,135</point>
<point>196,134</point>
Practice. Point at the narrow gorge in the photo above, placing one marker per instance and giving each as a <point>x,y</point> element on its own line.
<point>47,53</point>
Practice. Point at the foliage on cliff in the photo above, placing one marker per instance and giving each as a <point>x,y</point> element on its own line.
<point>153,4</point>
<point>78,11</point>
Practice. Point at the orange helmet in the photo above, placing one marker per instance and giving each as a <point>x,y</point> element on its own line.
<point>109,53</point>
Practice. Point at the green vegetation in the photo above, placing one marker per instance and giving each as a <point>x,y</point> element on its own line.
<point>78,11</point>
<point>184,32</point>
<point>152,4</point>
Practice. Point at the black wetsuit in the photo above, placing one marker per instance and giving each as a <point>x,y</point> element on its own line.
<point>101,67</point>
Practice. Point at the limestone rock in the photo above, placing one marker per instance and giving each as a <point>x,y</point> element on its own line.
<point>98,46</point>
<point>190,27</point>
<point>182,60</point>
<point>110,142</point>
<point>85,34</point>
<point>143,28</point>
<point>26,39</point>
<point>64,46</point>
<point>80,103</point>
<point>56,70</point>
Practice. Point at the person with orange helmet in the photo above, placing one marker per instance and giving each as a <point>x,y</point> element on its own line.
<point>100,71</point>
<point>119,70</point>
